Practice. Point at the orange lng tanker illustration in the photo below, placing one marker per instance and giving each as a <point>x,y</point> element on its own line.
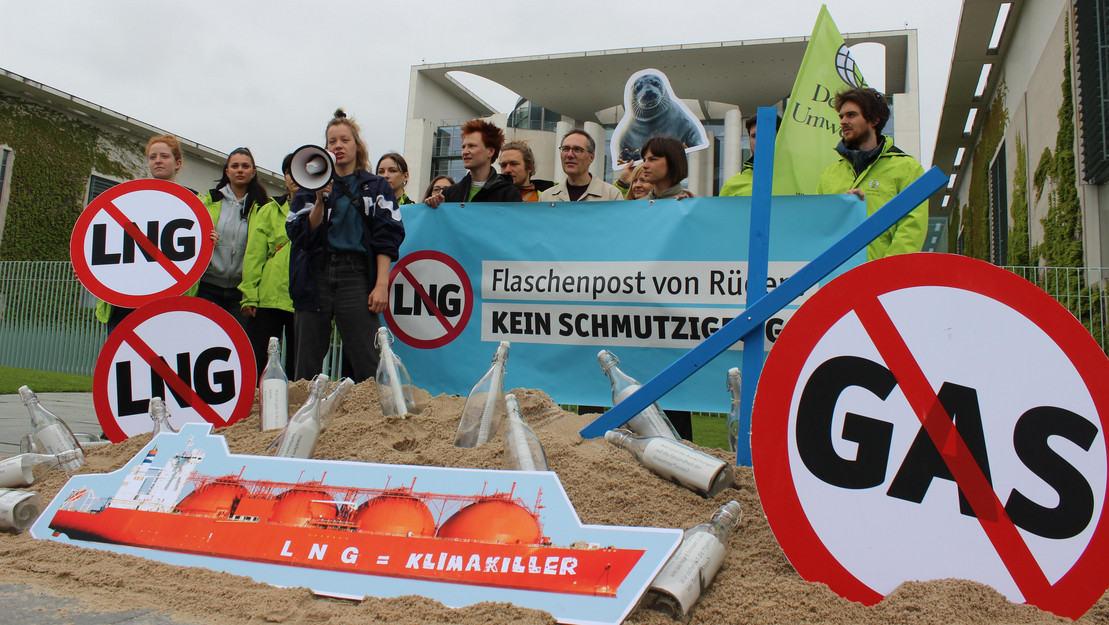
<point>489,540</point>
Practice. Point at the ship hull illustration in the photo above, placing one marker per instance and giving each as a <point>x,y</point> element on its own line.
<point>483,539</point>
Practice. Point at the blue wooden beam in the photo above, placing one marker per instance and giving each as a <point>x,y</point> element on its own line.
<point>759,311</point>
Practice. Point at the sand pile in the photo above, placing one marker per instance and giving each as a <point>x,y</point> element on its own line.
<point>606,486</point>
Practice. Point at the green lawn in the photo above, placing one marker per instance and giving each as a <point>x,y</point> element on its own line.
<point>42,381</point>
<point>710,429</point>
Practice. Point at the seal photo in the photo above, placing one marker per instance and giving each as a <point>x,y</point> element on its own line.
<point>652,110</point>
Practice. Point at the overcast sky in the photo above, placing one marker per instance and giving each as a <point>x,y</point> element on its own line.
<point>269,74</point>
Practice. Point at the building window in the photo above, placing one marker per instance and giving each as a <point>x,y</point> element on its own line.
<point>528,116</point>
<point>999,210</point>
<point>446,154</point>
<point>5,169</point>
<point>98,185</point>
<point>1092,25</point>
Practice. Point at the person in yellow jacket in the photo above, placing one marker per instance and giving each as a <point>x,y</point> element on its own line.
<point>740,184</point>
<point>874,169</point>
<point>233,204</point>
<point>265,287</point>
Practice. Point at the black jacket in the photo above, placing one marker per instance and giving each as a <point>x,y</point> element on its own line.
<point>382,233</point>
<point>498,188</point>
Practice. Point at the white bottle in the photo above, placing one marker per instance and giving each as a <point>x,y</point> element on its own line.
<point>652,421</point>
<point>733,384</point>
<point>484,409</point>
<point>332,400</point>
<point>692,567</point>
<point>298,439</point>
<point>273,395</point>
<point>21,470</point>
<point>18,509</point>
<point>705,475</point>
<point>51,435</point>
<point>160,416</point>
<point>394,387</point>
<point>522,449</point>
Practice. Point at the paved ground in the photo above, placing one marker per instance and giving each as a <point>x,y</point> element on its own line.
<point>25,604</point>
<point>74,408</point>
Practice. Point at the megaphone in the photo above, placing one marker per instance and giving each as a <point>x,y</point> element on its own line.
<point>311,167</point>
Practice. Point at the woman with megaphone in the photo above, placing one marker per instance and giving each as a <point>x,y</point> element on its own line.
<point>345,236</point>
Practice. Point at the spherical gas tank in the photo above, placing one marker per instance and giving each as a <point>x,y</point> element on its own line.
<point>298,506</point>
<point>395,514</point>
<point>215,499</point>
<point>495,520</point>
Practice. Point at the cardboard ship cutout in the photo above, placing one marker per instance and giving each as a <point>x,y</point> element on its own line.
<point>349,529</point>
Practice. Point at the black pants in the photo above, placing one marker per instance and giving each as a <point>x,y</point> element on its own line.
<point>269,322</point>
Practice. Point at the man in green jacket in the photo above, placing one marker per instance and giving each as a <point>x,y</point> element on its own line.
<point>874,169</point>
<point>740,184</point>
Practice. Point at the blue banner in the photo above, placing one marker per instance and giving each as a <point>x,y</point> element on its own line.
<point>646,280</point>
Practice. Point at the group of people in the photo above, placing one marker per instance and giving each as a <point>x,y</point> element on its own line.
<point>295,263</point>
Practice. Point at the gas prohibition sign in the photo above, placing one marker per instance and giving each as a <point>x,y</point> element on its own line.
<point>931,416</point>
<point>140,241</point>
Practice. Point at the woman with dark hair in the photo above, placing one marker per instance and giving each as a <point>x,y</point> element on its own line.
<point>438,185</point>
<point>664,167</point>
<point>232,204</point>
<point>394,168</point>
<point>344,239</point>
<point>265,285</point>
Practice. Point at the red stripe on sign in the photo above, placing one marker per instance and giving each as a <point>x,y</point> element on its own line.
<point>146,244</point>
<point>171,378</point>
<point>970,479</point>
<point>426,299</point>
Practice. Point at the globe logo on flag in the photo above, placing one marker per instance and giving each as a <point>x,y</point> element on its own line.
<point>846,68</point>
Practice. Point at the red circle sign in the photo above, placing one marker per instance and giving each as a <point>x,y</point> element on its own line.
<point>141,241</point>
<point>431,299</point>
<point>932,416</point>
<point>185,350</point>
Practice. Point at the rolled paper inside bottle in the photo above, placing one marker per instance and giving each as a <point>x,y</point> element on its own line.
<point>689,467</point>
<point>275,404</point>
<point>18,509</point>
<point>689,571</point>
<point>485,429</point>
<point>14,473</point>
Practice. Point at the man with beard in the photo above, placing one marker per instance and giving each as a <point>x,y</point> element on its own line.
<point>518,162</point>
<point>875,170</point>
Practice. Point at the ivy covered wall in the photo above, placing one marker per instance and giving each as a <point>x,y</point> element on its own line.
<point>974,216</point>
<point>54,156</point>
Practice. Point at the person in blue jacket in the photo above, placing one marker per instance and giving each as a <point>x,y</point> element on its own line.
<point>344,239</point>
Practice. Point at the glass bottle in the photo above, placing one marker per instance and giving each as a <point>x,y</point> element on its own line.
<point>652,421</point>
<point>484,409</point>
<point>273,395</point>
<point>160,416</point>
<point>332,400</point>
<point>705,475</point>
<point>18,509</point>
<point>692,567</point>
<point>733,385</point>
<point>522,449</point>
<point>394,387</point>
<point>51,435</point>
<point>298,439</point>
<point>21,470</point>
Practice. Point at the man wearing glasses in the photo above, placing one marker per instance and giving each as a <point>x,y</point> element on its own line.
<point>577,152</point>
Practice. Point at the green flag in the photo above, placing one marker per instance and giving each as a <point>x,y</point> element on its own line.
<point>810,125</point>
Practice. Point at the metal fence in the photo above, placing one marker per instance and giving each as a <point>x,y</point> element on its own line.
<point>47,320</point>
<point>1080,290</point>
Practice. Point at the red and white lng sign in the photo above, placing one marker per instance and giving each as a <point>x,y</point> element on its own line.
<point>187,351</point>
<point>931,416</point>
<point>140,241</point>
